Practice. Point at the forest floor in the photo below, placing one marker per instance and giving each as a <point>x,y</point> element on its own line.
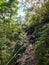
<point>27,58</point>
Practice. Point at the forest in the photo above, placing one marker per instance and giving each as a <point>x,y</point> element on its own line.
<point>24,32</point>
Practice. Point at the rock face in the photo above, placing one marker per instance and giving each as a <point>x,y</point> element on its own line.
<point>27,57</point>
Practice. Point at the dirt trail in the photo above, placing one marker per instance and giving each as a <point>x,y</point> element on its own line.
<point>27,58</point>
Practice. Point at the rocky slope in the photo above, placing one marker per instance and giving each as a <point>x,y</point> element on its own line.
<point>27,57</point>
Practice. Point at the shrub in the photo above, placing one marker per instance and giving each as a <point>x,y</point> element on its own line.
<point>42,50</point>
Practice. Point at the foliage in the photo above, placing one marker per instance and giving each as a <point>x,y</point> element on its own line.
<point>42,49</point>
<point>38,19</point>
<point>10,31</point>
<point>38,24</point>
<point>12,34</point>
<point>42,45</point>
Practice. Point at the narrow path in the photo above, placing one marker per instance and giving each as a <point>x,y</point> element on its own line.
<point>27,58</point>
